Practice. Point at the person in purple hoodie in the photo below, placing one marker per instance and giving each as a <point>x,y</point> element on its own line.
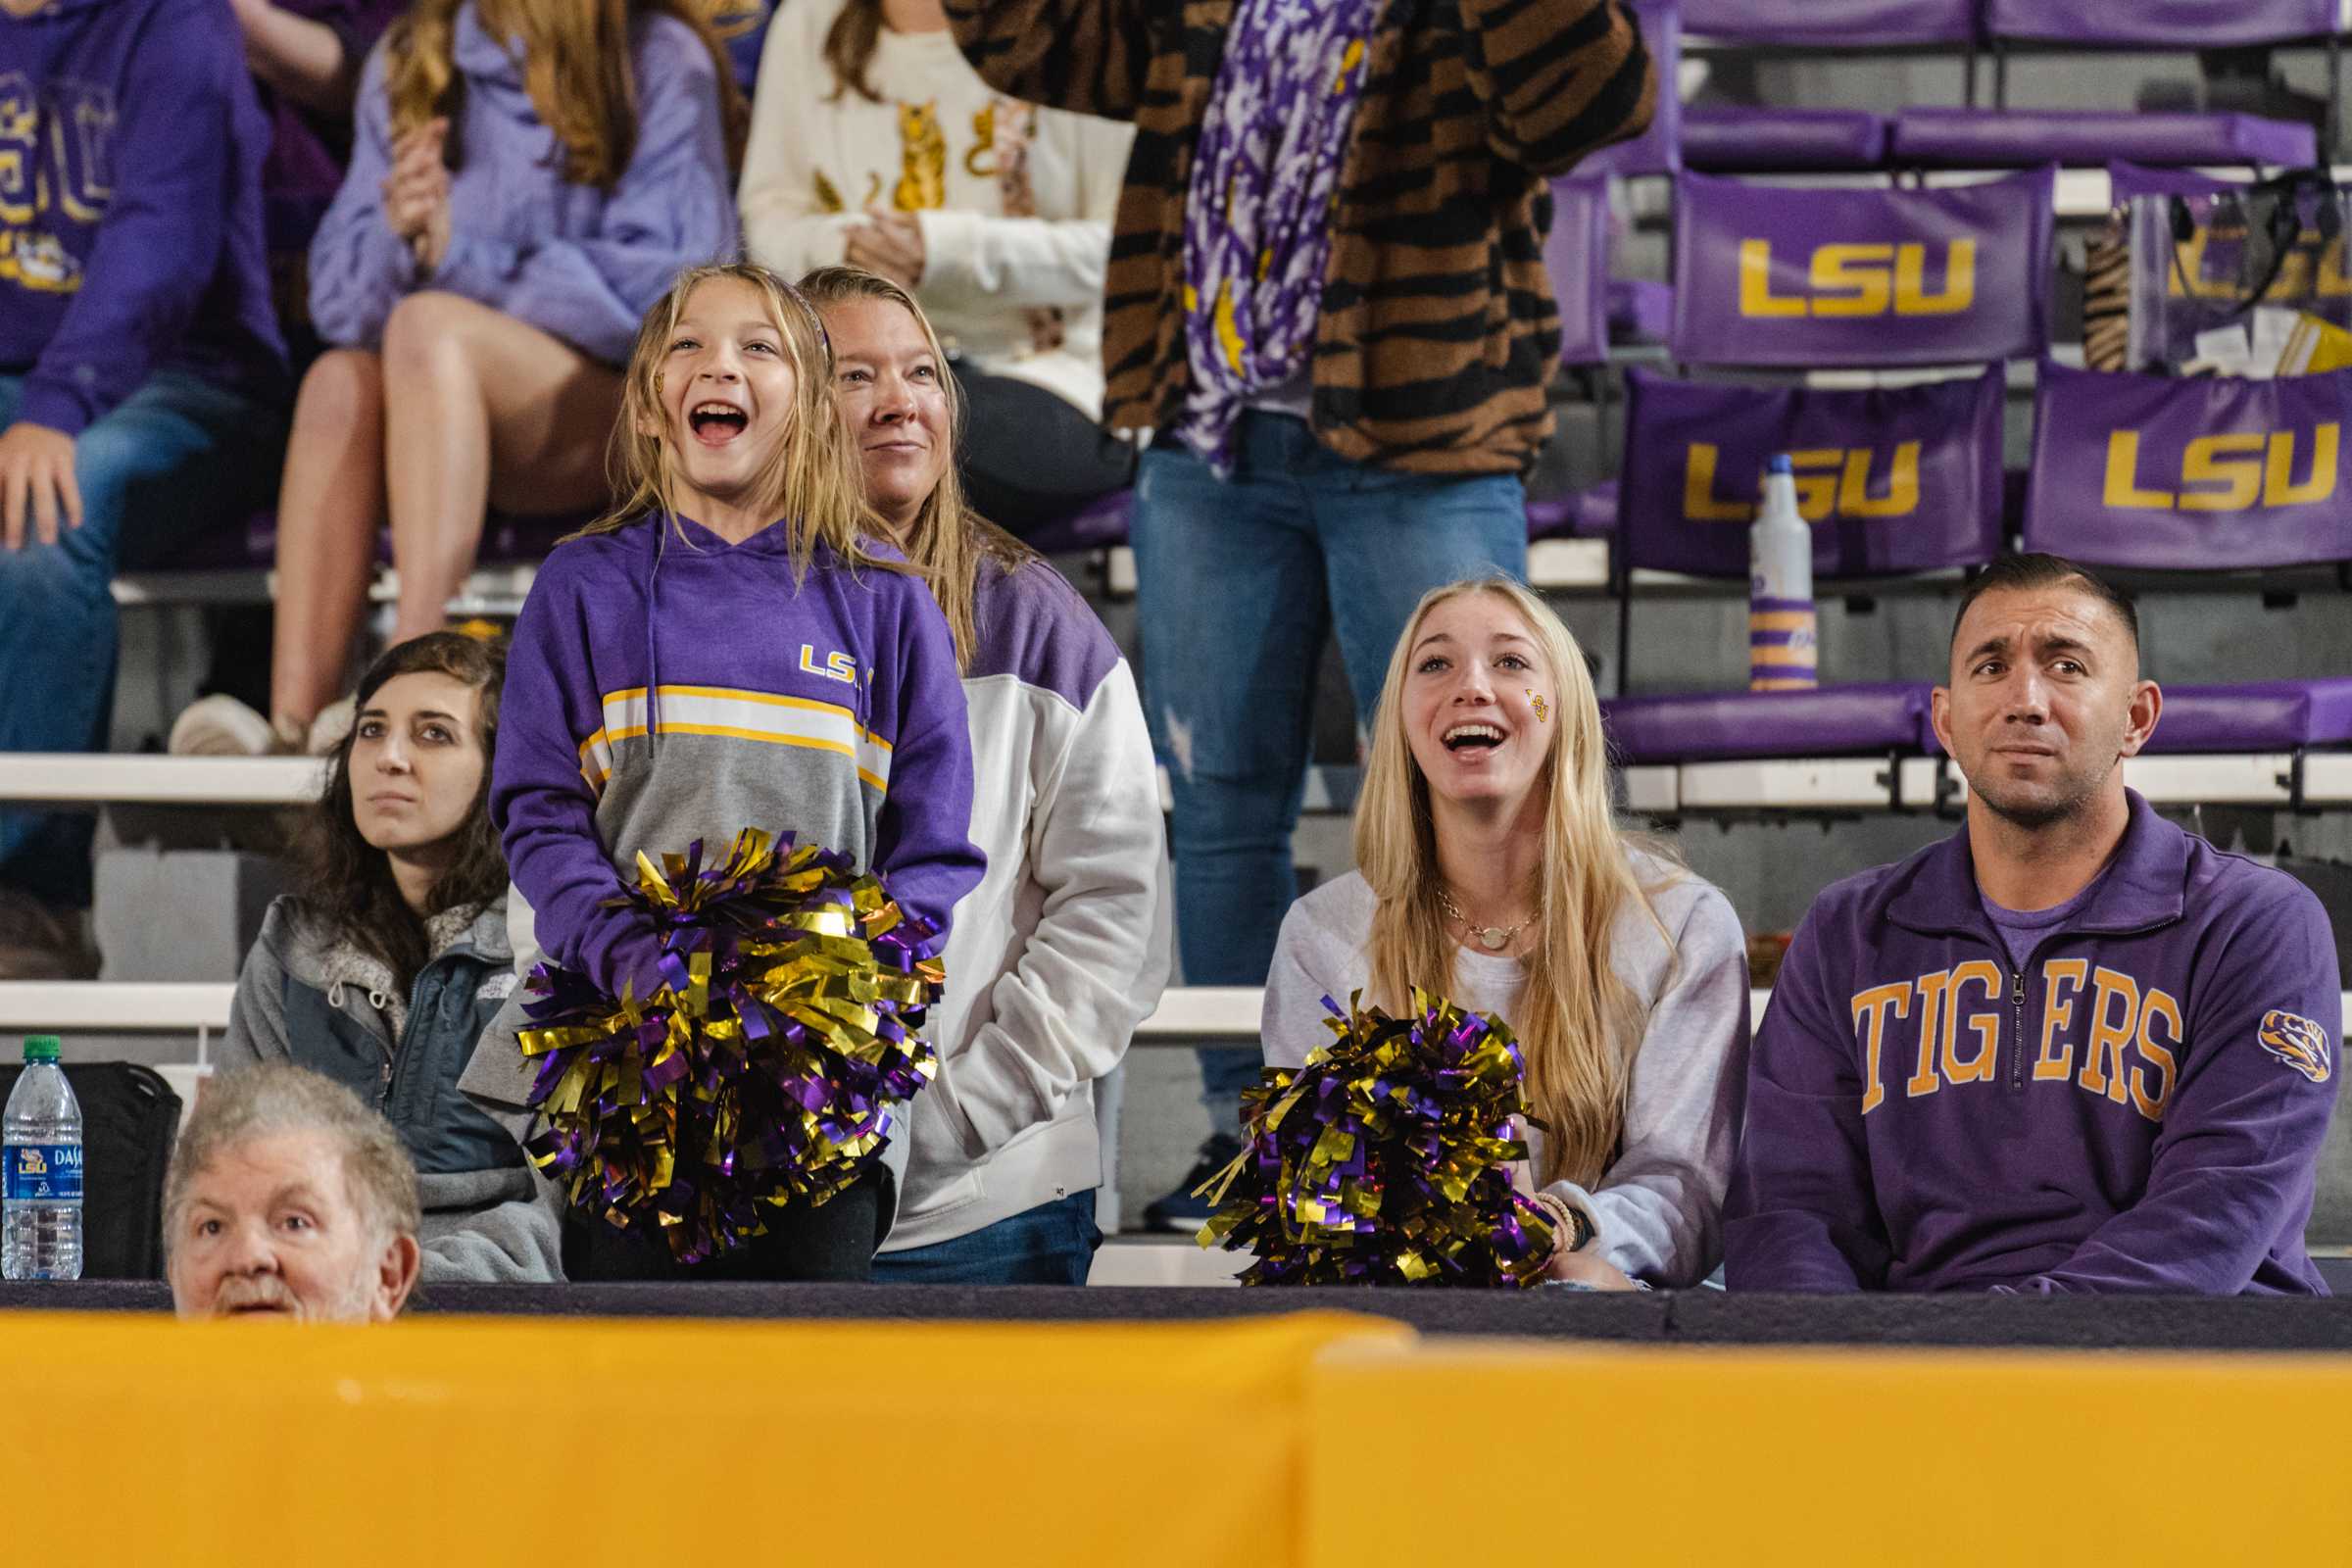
<point>2072,1047</point>
<point>730,648</point>
<point>527,177</point>
<point>141,372</point>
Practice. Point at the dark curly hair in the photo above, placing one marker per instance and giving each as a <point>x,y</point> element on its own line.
<point>347,881</point>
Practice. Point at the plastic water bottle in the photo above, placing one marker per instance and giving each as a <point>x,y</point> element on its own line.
<point>1783,652</point>
<point>40,1170</point>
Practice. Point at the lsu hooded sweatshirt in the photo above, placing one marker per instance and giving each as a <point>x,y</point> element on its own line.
<point>130,206</point>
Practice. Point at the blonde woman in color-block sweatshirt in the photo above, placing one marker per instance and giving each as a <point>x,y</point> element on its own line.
<point>1063,947</point>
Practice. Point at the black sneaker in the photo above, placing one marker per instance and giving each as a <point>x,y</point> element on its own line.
<point>1180,1211</point>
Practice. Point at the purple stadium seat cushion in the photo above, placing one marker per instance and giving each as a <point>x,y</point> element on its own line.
<point>1723,726</point>
<point>1748,141</point>
<point>2266,715</point>
<point>2026,138</point>
<point>1587,513</point>
<point>1097,525</point>
<point>2161,24</point>
<point>1831,22</point>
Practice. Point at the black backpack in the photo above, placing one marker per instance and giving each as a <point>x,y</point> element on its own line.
<point>129,1119</point>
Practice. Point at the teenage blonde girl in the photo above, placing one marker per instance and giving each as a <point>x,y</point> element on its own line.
<point>1491,871</point>
<point>729,648</point>
<point>527,177</point>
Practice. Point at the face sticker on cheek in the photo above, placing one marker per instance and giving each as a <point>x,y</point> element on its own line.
<point>1542,708</point>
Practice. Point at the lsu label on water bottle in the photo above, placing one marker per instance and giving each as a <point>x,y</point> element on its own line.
<point>43,1173</point>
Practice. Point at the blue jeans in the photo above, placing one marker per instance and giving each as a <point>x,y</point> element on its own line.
<point>1052,1244</point>
<point>175,458</point>
<point>1238,583</point>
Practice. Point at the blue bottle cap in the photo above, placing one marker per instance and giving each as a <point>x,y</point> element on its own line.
<point>1780,464</point>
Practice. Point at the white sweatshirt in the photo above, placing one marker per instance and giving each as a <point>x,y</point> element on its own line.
<point>1064,947</point>
<point>1657,1211</point>
<point>1016,284</point>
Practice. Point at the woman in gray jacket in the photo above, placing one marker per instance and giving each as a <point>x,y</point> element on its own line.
<point>382,972</point>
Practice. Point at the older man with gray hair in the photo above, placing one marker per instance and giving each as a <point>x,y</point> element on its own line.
<point>288,1197</point>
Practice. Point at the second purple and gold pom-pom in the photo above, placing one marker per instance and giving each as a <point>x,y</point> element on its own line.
<point>1386,1158</point>
<point>772,1065</point>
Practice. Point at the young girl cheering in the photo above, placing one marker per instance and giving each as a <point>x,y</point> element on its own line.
<point>726,650</point>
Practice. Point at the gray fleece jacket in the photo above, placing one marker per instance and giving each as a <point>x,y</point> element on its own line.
<point>308,998</point>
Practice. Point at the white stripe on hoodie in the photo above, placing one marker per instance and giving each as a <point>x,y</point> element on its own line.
<point>1064,947</point>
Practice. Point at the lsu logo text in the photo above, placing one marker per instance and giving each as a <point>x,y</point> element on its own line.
<point>56,165</point>
<point>1848,279</point>
<point>2234,472</point>
<point>2298,1042</point>
<point>837,666</point>
<point>1831,482</point>
<point>2312,269</point>
<point>1947,1028</point>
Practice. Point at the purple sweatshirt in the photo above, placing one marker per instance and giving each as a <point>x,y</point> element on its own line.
<point>130,207</point>
<point>2140,1110</point>
<point>581,264</point>
<point>833,710</point>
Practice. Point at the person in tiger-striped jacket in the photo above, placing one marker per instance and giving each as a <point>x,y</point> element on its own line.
<point>1326,300</point>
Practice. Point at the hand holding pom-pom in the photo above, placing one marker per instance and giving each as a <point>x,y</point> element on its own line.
<point>766,1069</point>
<point>1385,1159</point>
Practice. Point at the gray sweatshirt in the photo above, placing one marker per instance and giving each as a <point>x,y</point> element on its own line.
<point>1657,1210</point>
<point>308,997</point>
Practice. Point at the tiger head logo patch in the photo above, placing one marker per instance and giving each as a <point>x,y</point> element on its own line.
<point>2298,1042</point>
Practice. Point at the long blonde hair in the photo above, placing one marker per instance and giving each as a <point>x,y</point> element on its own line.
<point>947,542</point>
<point>576,65</point>
<point>1578,1023</point>
<point>812,481</point>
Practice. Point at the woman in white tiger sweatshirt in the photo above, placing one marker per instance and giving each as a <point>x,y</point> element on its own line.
<point>875,145</point>
<point>1063,947</point>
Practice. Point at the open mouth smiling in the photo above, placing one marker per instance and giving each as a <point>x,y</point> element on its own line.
<point>715,424</point>
<point>1472,737</point>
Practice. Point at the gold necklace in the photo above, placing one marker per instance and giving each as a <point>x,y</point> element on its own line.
<point>1493,938</point>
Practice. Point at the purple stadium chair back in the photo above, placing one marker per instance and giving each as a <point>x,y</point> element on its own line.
<point>1894,479</point>
<point>2189,476</point>
<point>1576,255</point>
<point>1809,276</point>
<point>2183,287</point>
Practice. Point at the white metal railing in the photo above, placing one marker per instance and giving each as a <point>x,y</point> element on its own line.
<point>1768,785</point>
<point>1185,1014</point>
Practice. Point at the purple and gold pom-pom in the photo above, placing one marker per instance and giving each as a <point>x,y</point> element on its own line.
<point>772,1065</point>
<point>1385,1160</point>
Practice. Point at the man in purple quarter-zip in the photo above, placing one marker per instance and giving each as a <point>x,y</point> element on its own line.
<point>2072,1047</point>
